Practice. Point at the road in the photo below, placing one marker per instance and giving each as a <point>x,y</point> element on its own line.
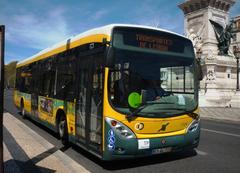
<point>219,150</point>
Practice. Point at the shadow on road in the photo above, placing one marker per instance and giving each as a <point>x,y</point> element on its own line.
<point>137,162</point>
<point>158,159</point>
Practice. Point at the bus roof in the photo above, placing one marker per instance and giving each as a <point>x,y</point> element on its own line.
<point>93,35</point>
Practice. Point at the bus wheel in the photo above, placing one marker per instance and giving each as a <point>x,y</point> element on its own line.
<point>22,110</point>
<point>62,130</point>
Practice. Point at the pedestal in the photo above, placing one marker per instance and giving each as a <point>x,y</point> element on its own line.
<point>212,97</point>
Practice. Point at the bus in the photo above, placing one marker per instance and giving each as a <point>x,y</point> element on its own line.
<point>93,91</point>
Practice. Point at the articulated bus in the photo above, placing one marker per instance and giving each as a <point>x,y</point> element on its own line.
<point>96,91</point>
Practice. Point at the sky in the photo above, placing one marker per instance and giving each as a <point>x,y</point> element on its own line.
<point>33,25</point>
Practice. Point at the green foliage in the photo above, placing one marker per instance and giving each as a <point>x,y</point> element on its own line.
<point>10,74</point>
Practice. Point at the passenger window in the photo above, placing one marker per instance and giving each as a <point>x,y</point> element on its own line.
<point>64,88</point>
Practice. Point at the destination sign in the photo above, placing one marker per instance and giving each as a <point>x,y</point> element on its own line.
<point>153,42</point>
<point>151,39</point>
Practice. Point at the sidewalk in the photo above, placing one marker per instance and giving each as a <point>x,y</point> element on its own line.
<point>26,151</point>
<point>228,114</point>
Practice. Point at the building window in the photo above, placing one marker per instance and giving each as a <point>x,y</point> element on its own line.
<point>229,76</point>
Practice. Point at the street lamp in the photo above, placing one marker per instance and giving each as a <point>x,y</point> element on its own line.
<point>236,52</point>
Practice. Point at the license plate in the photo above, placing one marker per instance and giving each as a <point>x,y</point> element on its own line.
<point>143,144</point>
<point>161,150</point>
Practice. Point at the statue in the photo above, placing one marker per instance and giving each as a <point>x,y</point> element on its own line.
<point>196,38</point>
<point>211,75</point>
<point>223,36</point>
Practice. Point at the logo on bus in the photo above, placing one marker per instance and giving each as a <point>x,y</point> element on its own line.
<point>111,140</point>
<point>139,126</point>
<point>163,128</point>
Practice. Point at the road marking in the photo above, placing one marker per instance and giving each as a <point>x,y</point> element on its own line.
<point>202,153</point>
<point>221,132</point>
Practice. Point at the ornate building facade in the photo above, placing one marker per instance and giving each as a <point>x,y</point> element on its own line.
<point>236,32</point>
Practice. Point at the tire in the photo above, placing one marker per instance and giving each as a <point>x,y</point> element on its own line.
<point>63,131</point>
<point>22,110</point>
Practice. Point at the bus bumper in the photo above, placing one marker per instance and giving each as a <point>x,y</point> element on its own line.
<point>129,148</point>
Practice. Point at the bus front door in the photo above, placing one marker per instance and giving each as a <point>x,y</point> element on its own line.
<point>89,103</point>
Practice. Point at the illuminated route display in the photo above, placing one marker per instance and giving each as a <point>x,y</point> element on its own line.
<point>151,40</point>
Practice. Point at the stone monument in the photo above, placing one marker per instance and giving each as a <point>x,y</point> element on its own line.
<point>202,19</point>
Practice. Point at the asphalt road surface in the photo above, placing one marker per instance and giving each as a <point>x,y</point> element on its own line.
<point>219,150</point>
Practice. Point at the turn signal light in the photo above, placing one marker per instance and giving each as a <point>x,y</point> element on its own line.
<point>113,123</point>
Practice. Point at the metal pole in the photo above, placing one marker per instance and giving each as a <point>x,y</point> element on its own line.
<point>2,42</point>
<point>237,72</point>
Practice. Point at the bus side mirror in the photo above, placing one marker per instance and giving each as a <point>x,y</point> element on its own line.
<point>199,70</point>
<point>105,42</point>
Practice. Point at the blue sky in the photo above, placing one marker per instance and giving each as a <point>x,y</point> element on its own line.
<point>32,25</point>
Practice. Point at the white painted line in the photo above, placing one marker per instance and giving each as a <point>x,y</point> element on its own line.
<point>202,153</point>
<point>221,132</point>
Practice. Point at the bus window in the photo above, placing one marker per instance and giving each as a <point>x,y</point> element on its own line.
<point>120,84</point>
<point>47,79</point>
<point>65,79</point>
<point>24,82</point>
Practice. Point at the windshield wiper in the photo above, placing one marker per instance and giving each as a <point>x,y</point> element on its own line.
<point>130,116</point>
<point>154,102</point>
<point>191,114</point>
<point>140,108</point>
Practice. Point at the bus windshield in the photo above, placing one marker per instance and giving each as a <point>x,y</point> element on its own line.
<point>167,78</point>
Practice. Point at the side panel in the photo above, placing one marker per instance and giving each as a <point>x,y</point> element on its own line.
<point>56,86</point>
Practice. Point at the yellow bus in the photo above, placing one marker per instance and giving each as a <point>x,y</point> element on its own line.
<point>118,91</point>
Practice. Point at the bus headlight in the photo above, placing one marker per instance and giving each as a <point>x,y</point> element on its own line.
<point>120,129</point>
<point>193,126</point>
